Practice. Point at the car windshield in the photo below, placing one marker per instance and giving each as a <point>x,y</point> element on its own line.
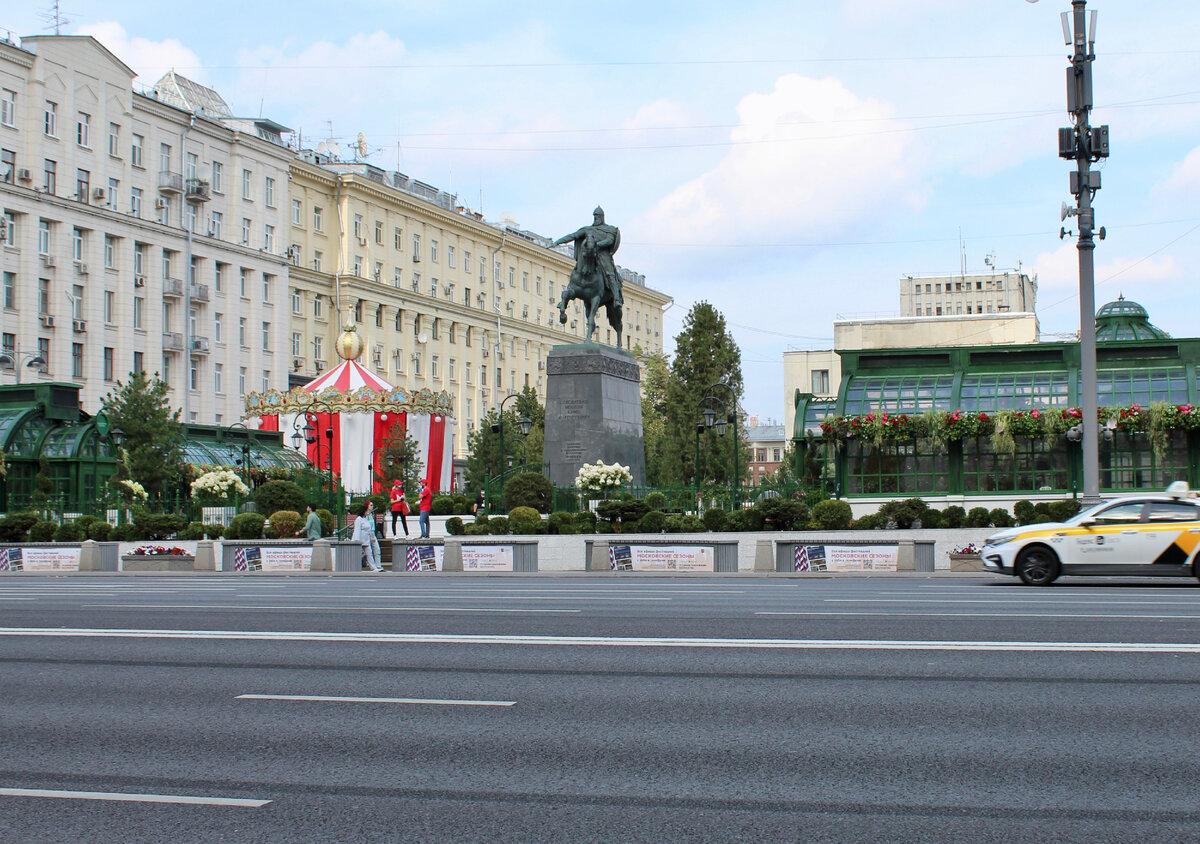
<point>1089,512</point>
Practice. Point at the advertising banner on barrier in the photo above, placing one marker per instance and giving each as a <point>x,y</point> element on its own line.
<point>44,559</point>
<point>287,558</point>
<point>487,557</point>
<point>423,558</point>
<point>845,557</point>
<point>660,558</point>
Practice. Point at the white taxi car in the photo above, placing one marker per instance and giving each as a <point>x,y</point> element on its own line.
<point>1156,535</point>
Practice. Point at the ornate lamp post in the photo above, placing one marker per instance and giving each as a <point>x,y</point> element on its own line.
<point>710,420</point>
<point>709,414</point>
<point>307,433</point>
<point>524,425</point>
<point>10,360</point>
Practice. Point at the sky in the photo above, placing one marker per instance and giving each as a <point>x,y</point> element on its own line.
<point>787,161</point>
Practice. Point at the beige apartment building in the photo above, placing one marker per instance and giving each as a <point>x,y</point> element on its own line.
<point>443,299</point>
<point>995,292</point>
<point>142,231</point>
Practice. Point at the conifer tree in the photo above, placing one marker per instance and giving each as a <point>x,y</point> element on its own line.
<point>151,446</point>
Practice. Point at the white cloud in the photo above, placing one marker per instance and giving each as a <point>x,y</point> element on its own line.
<point>1058,275</point>
<point>149,59</point>
<point>1184,181</point>
<point>810,159</point>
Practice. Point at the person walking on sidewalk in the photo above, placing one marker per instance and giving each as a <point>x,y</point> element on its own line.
<point>399,506</point>
<point>425,505</point>
<point>364,531</point>
<point>312,525</point>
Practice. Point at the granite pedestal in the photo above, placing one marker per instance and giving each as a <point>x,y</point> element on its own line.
<point>593,411</point>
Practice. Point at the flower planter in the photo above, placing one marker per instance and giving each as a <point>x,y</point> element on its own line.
<point>158,562</point>
<point>966,562</point>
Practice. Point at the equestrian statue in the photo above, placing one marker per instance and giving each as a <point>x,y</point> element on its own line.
<point>594,280</point>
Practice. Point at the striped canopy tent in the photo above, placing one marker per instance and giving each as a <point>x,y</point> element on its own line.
<point>363,412</point>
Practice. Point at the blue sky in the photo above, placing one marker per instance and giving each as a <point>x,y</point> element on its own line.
<point>786,161</point>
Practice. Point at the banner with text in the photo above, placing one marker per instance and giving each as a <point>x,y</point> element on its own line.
<point>422,558</point>
<point>660,558</point>
<point>487,557</point>
<point>287,558</point>
<point>845,557</point>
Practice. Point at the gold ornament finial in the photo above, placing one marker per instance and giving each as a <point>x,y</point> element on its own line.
<point>349,345</point>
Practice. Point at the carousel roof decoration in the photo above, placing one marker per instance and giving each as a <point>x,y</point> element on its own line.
<point>349,387</point>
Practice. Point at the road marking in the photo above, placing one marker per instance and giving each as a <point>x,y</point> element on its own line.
<point>608,641</point>
<point>337,699</point>
<point>325,609</point>
<point>132,798</point>
<point>1002,601</point>
<point>1143,616</point>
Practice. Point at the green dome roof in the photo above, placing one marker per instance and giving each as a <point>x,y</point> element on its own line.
<point>1125,320</point>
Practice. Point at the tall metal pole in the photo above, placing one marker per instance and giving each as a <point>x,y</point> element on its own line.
<point>1084,144</point>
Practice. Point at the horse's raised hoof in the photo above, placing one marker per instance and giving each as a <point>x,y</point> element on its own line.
<point>562,317</point>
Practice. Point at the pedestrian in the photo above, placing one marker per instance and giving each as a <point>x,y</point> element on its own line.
<point>363,531</point>
<point>312,524</point>
<point>376,520</point>
<point>425,505</point>
<point>478,508</point>
<point>399,506</point>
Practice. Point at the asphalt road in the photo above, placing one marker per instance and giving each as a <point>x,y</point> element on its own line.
<point>597,708</point>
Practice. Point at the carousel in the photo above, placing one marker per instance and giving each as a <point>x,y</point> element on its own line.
<point>355,413</point>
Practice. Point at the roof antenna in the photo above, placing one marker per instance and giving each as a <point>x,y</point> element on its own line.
<point>54,17</point>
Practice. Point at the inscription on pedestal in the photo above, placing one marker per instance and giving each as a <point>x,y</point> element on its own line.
<point>574,407</point>
<point>573,451</point>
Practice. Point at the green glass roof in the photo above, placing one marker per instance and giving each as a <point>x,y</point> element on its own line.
<point>1125,320</point>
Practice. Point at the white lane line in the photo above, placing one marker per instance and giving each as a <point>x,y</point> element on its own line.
<point>326,608</point>
<point>132,798</point>
<point>417,700</point>
<point>611,641</point>
<point>1038,602</point>
<point>1143,616</point>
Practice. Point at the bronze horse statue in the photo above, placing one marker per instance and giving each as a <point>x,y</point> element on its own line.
<point>588,285</point>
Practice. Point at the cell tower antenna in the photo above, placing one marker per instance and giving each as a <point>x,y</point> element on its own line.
<point>54,17</point>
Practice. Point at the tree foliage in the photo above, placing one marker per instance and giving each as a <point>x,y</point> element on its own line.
<point>705,355</point>
<point>484,458</point>
<point>400,457</point>
<point>153,436</point>
<point>656,373</point>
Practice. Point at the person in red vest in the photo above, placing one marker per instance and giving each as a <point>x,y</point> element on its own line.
<point>425,506</point>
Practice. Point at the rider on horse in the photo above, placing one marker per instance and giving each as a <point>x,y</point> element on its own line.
<point>594,280</point>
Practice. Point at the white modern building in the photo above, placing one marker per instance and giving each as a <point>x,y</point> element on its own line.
<point>143,231</point>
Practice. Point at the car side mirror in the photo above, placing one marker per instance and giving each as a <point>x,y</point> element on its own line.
<point>1087,522</point>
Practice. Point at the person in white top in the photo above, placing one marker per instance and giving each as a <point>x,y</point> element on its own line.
<point>364,531</point>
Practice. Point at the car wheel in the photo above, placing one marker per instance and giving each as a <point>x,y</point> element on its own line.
<point>1037,566</point>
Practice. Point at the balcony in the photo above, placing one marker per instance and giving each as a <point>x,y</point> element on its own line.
<point>199,345</point>
<point>172,341</point>
<point>199,292</point>
<point>169,182</point>
<point>198,190</point>
<point>173,288</point>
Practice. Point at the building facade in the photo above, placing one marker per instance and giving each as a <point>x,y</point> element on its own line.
<point>996,292</point>
<point>143,232</point>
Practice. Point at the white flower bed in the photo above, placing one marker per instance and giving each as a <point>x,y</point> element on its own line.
<point>600,477</point>
<point>219,483</point>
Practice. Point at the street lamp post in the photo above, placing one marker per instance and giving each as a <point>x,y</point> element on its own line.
<point>308,433</point>
<point>524,425</point>
<point>731,407</point>
<point>11,359</point>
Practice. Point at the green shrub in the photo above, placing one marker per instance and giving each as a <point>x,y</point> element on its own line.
<point>585,521</point>
<point>872,521</point>
<point>43,531</point>
<point>737,521</point>
<point>476,529</point>
<point>279,495</point>
<point>783,513</point>
<point>1042,519</point>
<point>158,525</point>
<point>284,524</point>
<point>15,528</point>
<point>497,525</point>
<point>327,522</point>
<point>560,522</point>
<point>455,526</point>
<point>246,526</point>
<point>214,531</point>
<point>832,514</point>
<point>524,520</point>
<point>655,520</point>
<point>127,532</point>
<point>194,530</point>
<point>1024,512</point>
<point>978,517</point>
<point>683,523</point>
<point>442,505</point>
<point>529,489</point>
<point>953,516</point>
<point>69,532</point>
<point>715,519</point>
<point>99,531</point>
<point>931,518</point>
<point>1000,517</point>
<point>86,522</point>
<point>755,521</point>
<point>656,501</point>
<point>903,512</point>
<point>462,504</point>
<point>1060,511</point>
